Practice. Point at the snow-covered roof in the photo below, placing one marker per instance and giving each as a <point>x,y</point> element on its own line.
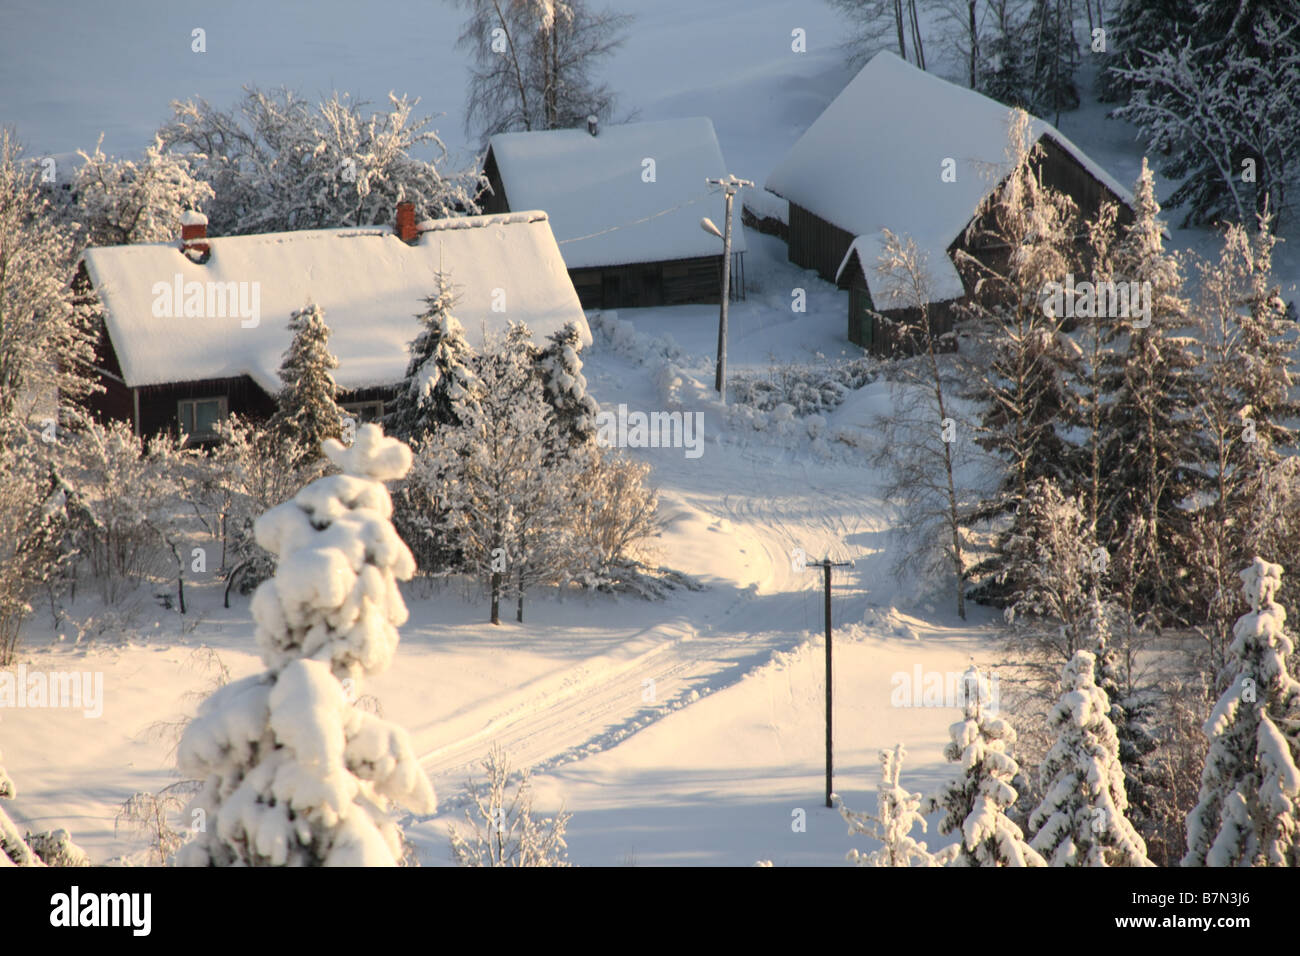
<point>602,210</point>
<point>873,160</point>
<point>369,283</point>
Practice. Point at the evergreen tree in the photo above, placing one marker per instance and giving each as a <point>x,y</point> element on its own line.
<point>1151,439</point>
<point>1081,821</point>
<point>1051,58</point>
<point>975,804</point>
<point>439,375</point>
<point>1130,710</point>
<point>1134,31</point>
<point>1250,787</point>
<point>566,386</point>
<point>306,411</point>
<point>1025,362</point>
<point>293,772</point>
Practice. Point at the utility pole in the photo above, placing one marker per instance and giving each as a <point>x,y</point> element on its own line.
<point>731,185</point>
<point>826,564</point>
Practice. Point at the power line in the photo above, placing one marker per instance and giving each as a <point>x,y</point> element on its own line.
<point>637,222</point>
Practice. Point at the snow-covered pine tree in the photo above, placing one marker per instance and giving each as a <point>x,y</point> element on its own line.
<point>1151,439</point>
<point>897,812</point>
<point>1081,821</point>
<point>439,375</point>
<point>975,804</point>
<point>48,848</point>
<point>293,772</point>
<point>566,386</point>
<point>306,410</point>
<point>1002,72</point>
<point>1051,58</point>
<point>1250,788</point>
<point>1134,29</point>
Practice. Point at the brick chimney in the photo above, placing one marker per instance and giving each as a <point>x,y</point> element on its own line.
<point>194,229</point>
<point>406,230</point>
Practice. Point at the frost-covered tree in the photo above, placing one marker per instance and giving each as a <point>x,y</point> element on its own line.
<point>504,496</point>
<point>897,812</point>
<point>924,444</point>
<point>47,348</point>
<point>1150,440</point>
<point>293,771</point>
<point>1002,68</point>
<point>306,410</point>
<point>276,163</point>
<point>1221,105</point>
<point>1249,810</point>
<point>534,63</point>
<point>1135,30</point>
<point>505,832</point>
<point>975,804</point>
<point>439,375</point>
<point>120,201</point>
<point>1081,821</point>
<point>565,386</point>
<point>1247,415</point>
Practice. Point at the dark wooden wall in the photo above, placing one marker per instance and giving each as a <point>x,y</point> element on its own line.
<point>642,284</point>
<point>158,403</point>
<point>816,243</point>
<point>493,200</point>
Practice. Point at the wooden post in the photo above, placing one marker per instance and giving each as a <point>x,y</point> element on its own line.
<point>826,565</point>
<point>731,185</point>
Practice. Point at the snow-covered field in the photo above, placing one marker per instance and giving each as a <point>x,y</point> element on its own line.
<point>687,731</point>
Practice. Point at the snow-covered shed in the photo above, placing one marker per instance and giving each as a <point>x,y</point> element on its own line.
<point>875,159</point>
<point>625,203</point>
<point>195,330</point>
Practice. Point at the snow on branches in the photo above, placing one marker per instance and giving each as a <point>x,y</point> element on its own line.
<point>293,772</point>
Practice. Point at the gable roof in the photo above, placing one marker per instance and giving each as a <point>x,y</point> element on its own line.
<point>601,210</point>
<point>370,284</point>
<point>872,161</point>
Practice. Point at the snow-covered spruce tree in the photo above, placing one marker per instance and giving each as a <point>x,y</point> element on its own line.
<point>1081,821</point>
<point>545,77</point>
<point>293,772</point>
<point>306,411</point>
<point>439,375</point>
<point>1051,58</point>
<point>120,201</point>
<point>1132,708</point>
<point>1151,441</point>
<point>897,812</point>
<point>566,386</point>
<point>1136,28</point>
<point>46,346</point>
<point>1249,811</point>
<point>276,163</point>
<point>975,804</point>
<point>1002,70</point>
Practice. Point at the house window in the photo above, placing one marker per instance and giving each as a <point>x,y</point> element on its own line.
<point>365,411</point>
<point>199,416</point>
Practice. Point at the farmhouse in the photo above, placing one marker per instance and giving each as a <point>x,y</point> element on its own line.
<point>625,203</point>
<point>194,331</point>
<point>902,149</point>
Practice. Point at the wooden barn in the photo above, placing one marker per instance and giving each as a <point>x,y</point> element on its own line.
<point>875,159</point>
<point>194,331</point>
<point>625,203</point>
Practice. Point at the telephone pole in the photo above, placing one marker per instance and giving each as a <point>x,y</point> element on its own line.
<point>731,185</point>
<point>826,564</point>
